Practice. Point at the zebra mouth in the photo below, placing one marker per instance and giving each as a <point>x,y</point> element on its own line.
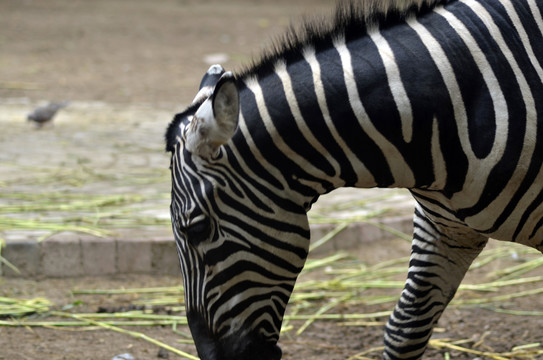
<point>232,347</point>
<point>262,352</point>
<point>239,349</point>
<point>257,351</point>
<point>235,348</point>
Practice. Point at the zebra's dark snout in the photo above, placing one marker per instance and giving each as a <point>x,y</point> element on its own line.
<point>232,347</point>
<point>254,351</point>
<point>251,351</point>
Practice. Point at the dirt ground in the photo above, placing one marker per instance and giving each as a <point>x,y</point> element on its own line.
<point>144,52</point>
<point>481,328</point>
<point>131,51</point>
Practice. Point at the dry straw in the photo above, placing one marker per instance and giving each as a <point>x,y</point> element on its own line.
<point>327,284</point>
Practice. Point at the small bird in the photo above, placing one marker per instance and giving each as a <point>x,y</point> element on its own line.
<point>45,114</point>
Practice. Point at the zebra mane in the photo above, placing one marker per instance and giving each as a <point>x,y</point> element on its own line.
<point>351,17</point>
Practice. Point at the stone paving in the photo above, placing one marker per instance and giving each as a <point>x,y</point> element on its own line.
<point>89,195</point>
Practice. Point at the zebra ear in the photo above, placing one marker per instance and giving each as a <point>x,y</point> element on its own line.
<point>216,120</point>
<point>210,79</point>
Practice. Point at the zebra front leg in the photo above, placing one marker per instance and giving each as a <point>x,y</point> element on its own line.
<point>439,260</point>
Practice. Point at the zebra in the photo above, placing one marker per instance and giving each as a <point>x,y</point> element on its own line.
<point>444,98</point>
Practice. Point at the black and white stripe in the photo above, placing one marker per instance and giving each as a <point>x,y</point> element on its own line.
<point>441,97</point>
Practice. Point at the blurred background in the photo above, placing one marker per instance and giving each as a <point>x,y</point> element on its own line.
<point>136,51</point>
<point>120,69</point>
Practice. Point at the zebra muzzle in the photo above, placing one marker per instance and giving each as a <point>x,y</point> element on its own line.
<point>232,347</point>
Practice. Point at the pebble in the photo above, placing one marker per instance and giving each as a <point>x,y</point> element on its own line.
<point>125,356</point>
<point>163,354</point>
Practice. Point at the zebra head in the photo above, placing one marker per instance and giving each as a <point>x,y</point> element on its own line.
<point>240,246</point>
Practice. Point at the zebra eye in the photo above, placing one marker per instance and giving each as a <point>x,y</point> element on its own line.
<point>199,231</point>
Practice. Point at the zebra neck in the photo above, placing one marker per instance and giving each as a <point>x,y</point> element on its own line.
<point>306,122</point>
